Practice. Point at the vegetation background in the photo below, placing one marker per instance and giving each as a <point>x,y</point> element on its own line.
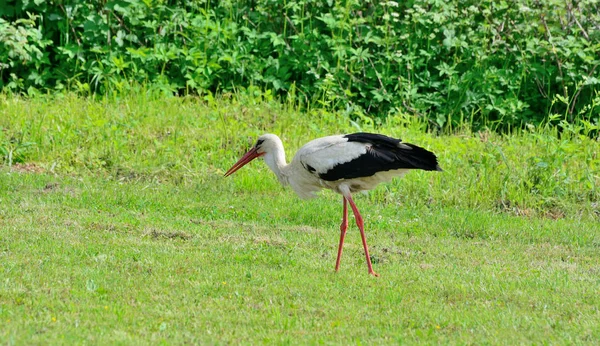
<point>119,118</point>
<point>490,63</point>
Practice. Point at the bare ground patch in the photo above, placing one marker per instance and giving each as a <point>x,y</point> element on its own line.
<point>158,234</point>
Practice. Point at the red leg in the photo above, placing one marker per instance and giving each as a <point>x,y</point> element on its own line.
<point>359,223</point>
<point>343,228</point>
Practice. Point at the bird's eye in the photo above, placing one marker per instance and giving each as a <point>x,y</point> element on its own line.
<point>259,142</point>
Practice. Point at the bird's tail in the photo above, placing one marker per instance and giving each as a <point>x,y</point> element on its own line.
<point>418,157</point>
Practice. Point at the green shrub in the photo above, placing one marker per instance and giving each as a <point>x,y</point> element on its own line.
<point>490,63</point>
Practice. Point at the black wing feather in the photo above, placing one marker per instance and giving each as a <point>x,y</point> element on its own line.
<point>385,154</point>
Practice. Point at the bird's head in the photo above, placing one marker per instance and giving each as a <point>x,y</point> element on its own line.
<point>265,144</point>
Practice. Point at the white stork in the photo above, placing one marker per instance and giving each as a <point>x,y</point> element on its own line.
<point>344,164</point>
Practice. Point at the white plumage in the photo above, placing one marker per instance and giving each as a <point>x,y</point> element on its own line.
<point>342,163</point>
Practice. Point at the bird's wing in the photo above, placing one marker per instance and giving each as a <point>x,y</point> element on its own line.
<point>362,155</point>
<point>322,154</point>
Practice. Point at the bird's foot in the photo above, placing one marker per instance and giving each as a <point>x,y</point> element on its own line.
<point>373,273</point>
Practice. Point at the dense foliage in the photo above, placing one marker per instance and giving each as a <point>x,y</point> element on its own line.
<point>486,62</point>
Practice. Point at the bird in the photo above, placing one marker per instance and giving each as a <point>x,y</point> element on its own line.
<point>345,164</point>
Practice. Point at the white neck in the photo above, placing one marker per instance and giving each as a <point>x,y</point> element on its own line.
<point>275,159</point>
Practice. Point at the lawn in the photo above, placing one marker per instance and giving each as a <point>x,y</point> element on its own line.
<point>116,226</point>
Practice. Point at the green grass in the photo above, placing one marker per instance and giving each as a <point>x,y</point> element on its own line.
<point>117,227</point>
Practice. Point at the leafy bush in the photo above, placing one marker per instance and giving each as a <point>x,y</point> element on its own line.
<point>489,63</point>
<point>22,53</point>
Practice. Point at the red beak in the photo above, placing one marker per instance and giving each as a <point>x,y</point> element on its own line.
<point>249,156</point>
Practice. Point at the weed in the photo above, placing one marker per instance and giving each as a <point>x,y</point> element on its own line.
<point>184,140</point>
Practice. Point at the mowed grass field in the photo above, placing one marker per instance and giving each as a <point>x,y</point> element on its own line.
<point>117,227</point>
